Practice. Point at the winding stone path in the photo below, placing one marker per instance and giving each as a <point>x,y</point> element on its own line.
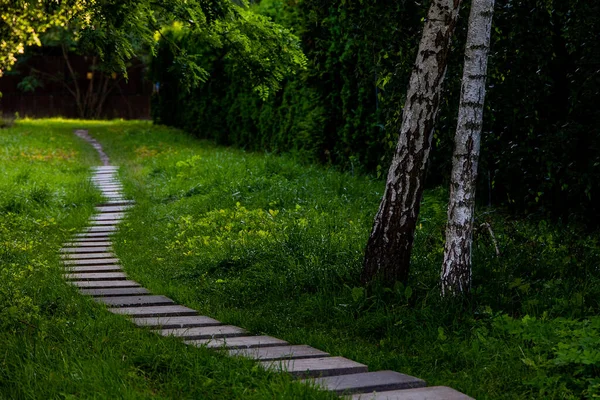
<point>91,265</point>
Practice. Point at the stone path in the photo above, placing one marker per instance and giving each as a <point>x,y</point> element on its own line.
<point>92,266</point>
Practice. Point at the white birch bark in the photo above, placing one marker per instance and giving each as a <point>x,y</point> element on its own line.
<point>388,250</point>
<point>456,268</point>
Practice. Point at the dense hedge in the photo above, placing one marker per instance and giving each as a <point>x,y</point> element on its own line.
<point>541,145</point>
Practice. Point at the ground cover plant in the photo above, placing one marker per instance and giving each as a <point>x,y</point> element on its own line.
<point>275,245</point>
<point>55,343</point>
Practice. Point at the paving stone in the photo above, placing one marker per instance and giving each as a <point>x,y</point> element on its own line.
<point>426,393</point>
<point>100,276</point>
<point>116,203</point>
<point>95,261</point>
<point>100,183</point>
<point>86,256</point>
<point>279,352</point>
<point>206,332</point>
<point>99,229</point>
<point>115,292</point>
<point>154,311</point>
<point>109,216</point>
<point>135,301</point>
<point>368,382</point>
<point>175,322</point>
<point>85,249</point>
<point>114,193</point>
<point>316,367</point>
<point>88,235</point>
<point>95,243</point>
<point>113,223</point>
<point>105,284</point>
<point>95,268</point>
<point>112,209</point>
<point>243,342</point>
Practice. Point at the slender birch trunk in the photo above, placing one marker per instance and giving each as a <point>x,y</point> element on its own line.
<point>456,268</point>
<point>389,247</point>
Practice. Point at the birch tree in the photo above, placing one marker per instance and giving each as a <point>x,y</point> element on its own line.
<point>390,244</point>
<point>456,268</point>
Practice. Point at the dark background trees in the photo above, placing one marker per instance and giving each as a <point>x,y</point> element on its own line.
<point>541,137</point>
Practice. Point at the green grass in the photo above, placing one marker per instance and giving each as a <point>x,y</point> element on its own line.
<point>55,343</point>
<point>275,245</point>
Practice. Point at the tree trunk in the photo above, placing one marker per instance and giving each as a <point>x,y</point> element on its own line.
<point>456,268</point>
<point>389,247</point>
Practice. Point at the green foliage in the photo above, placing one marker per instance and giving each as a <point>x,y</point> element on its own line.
<point>563,354</point>
<point>115,31</point>
<point>56,343</point>
<point>333,112</point>
<point>540,141</point>
<point>286,261</point>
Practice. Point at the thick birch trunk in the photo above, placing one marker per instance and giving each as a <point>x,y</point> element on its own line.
<point>456,268</point>
<point>388,250</point>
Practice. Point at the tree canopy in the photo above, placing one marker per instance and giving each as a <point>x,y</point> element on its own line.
<point>114,30</point>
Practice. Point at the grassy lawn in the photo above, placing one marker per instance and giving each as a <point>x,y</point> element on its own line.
<point>55,343</point>
<point>274,245</point>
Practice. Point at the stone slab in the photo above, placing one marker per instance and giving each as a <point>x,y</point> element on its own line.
<point>109,216</point>
<point>99,276</point>
<point>97,229</point>
<point>316,367</point>
<point>175,322</point>
<point>95,261</point>
<point>87,256</point>
<point>154,311</point>
<point>105,222</point>
<point>116,203</point>
<point>368,382</point>
<point>135,301</point>
<point>114,292</point>
<point>86,249</point>
<point>94,268</point>
<point>105,284</point>
<point>427,393</point>
<point>243,342</point>
<point>102,235</point>
<point>88,243</point>
<point>112,209</point>
<point>104,184</point>
<point>205,332</point>
<point>279,353</point>
<point>107,193</point>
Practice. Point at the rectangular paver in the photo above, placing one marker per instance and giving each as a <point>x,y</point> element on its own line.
<point>94,261</point>
<point>279,352</point>
<point>317,367</point>
<point>175,322</point>
<point>426,393</point>
<point>85,249</point>
<point>89,235</point>
<point>239,342</point>
<point>205,332</point>
<point>368,382</point>
<point>104,223</point>
<point>154,311</point>
<point>98,229</point>
<point>108,216</point>
<point>87,256</point>
<point>105,284</point>
<point>94,268</point>
<point>110,209</point>
<point>100,276</point>
<point>114,292</point>
<point>91,242</point>
<point>135,301</point>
